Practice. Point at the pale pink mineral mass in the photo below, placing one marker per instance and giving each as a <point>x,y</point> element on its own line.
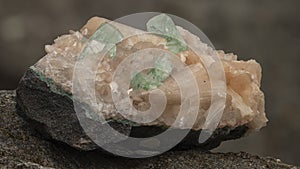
<point>244,100</point>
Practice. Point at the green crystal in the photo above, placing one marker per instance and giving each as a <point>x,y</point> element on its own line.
<point>106,34</point>
<point>154,78</point>
<point>164,26</point>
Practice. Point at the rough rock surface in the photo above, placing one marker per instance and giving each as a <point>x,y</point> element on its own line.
<point>22,147</point>
<point>54,117</point>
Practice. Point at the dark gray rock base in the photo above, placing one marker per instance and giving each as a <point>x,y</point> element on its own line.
<point>53,115</point>
<point>24,148</point>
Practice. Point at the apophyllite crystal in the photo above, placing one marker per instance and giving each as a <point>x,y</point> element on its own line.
<point>45,95</point>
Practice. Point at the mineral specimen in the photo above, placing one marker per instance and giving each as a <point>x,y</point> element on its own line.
<point>45,95</point>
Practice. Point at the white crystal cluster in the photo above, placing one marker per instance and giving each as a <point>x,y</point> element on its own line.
<point>244,99</point>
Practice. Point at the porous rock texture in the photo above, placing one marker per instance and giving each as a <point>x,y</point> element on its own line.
<point>22,147</point>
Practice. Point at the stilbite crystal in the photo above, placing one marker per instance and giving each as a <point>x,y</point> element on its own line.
<point>245,100</point>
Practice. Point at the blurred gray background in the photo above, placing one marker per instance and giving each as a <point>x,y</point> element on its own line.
<point>265,30</point>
